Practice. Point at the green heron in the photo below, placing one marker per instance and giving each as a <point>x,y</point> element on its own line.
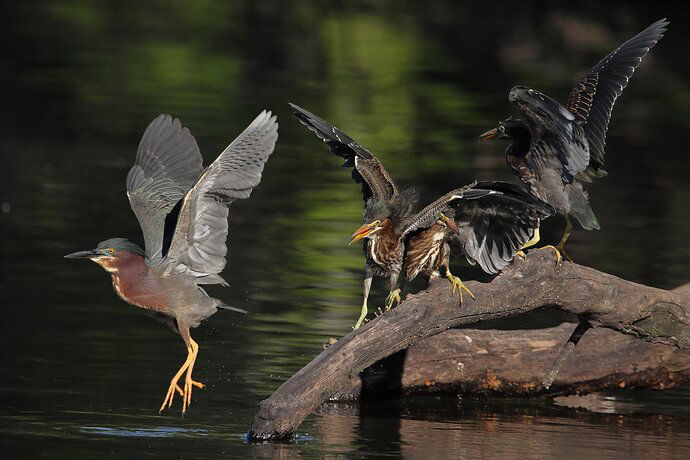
<point>554,148</point>
<point>488,222</point>
<point>183,212</point>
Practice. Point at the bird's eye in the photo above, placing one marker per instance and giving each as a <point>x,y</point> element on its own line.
<point>111,251</point>
<point>501,128</point>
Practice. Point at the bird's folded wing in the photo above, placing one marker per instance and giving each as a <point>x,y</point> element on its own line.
<point>593,97</point>
<point>198,243</point>
<point>555,134</point>
<point>497,224</point>
<point>168,163</point>
<point>367,169</point>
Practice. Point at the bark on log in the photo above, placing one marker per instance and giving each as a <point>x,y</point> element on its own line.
<point>511,363</point>
<point>650,314</point>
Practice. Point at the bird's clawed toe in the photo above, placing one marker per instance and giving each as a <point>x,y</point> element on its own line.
<point>393,298</point>
<point>187,397</point>
<point>560,253</point>
<point>459,285</point>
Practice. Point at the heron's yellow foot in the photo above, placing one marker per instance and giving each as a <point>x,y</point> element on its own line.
<point>187,396</point>
<point>564,254</point>
<point>393,297</point>
<point>557,251</point>
<point>521,254</point>
<point>459,285</point>
<point>174,387</point>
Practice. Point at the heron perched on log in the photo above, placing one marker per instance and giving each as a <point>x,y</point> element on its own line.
<point>554,147</point>
<point>183,212</point>
<point>488,222</point>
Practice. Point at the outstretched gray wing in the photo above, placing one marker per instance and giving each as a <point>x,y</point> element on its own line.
<point>168,163</point>
<point>198,244</point>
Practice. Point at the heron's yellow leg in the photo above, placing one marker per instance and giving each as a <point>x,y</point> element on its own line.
<point>393,298</point>
<point>189,383</point>
<point>362,315</point>
<point>173,383</point>
<point>530,243</point>
<point>457,284</point>
<point>566,235</point>
<point>560,249</point>
<point>367,287</point>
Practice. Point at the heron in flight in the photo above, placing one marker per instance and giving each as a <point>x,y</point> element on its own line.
<point>183,212</point>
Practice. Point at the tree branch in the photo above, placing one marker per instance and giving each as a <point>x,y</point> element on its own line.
<point>650,314</point>
<point>489,362</point>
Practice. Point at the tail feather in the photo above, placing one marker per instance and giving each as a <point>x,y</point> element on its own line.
<point>580,208</point>
<point>225,306</point>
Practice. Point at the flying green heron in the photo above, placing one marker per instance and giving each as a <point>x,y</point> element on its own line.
<point>183,212</point>
<point>487,222</point>
<point>555,147</point>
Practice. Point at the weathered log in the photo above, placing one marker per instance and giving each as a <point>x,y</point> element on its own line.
<point>511,363</point>
<point>650,314</point>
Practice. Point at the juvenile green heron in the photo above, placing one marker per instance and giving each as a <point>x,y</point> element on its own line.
<point>554,146</point>
<point>487,223</point>
<point>183,212</point>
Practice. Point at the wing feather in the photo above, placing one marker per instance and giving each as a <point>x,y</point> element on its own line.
<point>198,245</point>
<point>593,97</point>
<point>495,226</point>
<point>367,169</point>
<point>167,164</point>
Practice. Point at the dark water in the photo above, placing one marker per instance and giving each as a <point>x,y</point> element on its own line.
<point>83,373</point>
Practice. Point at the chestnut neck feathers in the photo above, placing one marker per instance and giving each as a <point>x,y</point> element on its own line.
<point>385,247</point>
<point>129,272</point>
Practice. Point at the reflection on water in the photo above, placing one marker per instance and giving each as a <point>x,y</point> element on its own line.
<point>84,373</point>
<point>158,432</point>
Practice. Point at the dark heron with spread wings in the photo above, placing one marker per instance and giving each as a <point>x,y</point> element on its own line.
<point>488,222</point>
<point>183,212</point>
<point>555,148</point>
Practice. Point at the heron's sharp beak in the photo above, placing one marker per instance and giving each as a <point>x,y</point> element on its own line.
<point>83,255</point>
<point>361,232</point>
<point>491,134</point>
<point>451,224</point>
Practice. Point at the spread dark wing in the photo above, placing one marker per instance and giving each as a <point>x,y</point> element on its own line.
<point>495,219</point>
<point>592,98</point>
<point>168,163</point>
<point>494,227</point>
<point>443,205</point>
<point>198,245</point>
<point>367,169</point>
<point>557,141</point>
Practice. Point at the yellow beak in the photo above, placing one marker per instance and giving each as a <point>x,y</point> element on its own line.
<point>452,226</point>
<point>361,232</point>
